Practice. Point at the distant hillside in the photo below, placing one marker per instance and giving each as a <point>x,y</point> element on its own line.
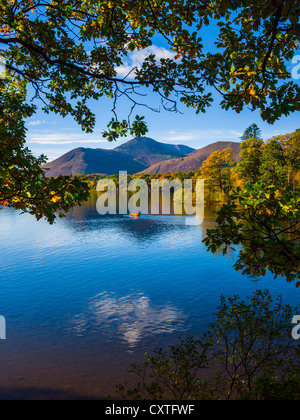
<point>136,156</point>
<point>193,161</point>
<point>93,161</point>
<point>148,151</point>
<point>184,150</point>
<point>133,156</point>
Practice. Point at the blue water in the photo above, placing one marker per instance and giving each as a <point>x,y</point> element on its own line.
<point>91,294</point>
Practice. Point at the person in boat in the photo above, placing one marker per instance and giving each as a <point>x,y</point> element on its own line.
<point>135,214</point>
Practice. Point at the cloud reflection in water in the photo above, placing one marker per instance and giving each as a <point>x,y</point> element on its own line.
<point>128,318</point>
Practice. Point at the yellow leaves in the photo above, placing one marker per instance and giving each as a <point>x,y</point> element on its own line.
<point>277,194</point>
<point>286,208</point>
<point>55,197</point>
<point>245,73</point>
<point>270,212</point>
<point>252,92</point>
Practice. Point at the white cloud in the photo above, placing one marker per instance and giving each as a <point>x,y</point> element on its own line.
<point>267,134</point>
<point>62,138</point>
<point>174,136</point>
<point>36,123</point>
<point>209,135</point>
<point>137,58</point>
<point>200,138</point>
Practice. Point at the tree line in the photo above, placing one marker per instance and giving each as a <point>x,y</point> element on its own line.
<point>275,162</point>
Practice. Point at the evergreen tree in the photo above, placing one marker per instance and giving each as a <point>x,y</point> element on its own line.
<point>252,132</point>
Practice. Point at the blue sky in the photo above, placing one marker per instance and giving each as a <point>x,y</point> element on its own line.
<point>53,136</point>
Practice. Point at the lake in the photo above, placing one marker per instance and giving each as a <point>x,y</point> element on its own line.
<point>91,294</point>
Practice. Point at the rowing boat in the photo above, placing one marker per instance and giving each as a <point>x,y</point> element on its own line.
<point>134,214</point>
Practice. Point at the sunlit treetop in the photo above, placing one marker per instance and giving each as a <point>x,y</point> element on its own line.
<point>69,52</point>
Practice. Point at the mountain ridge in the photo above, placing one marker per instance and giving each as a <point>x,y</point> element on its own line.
<point>193,161</point>
<point>144,156</point>
<point>148,151</point>
<point>85,161</point>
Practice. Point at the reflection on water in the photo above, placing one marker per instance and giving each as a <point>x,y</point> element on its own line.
<point>143,229</point>
<point>91,294</point>
<point>127,318</point>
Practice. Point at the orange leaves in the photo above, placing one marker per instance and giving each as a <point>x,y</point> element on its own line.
<point>5,203</point>
<point>55,199</point>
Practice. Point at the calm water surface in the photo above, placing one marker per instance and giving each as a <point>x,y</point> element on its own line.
<point>88,296</point>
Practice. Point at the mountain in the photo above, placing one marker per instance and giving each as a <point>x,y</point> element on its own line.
<point>143,155</point>
<point>148,151</point>
<point>133,156</point>
<point>184,150</point>
<point>83,161</point>
<point>193,161</point>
